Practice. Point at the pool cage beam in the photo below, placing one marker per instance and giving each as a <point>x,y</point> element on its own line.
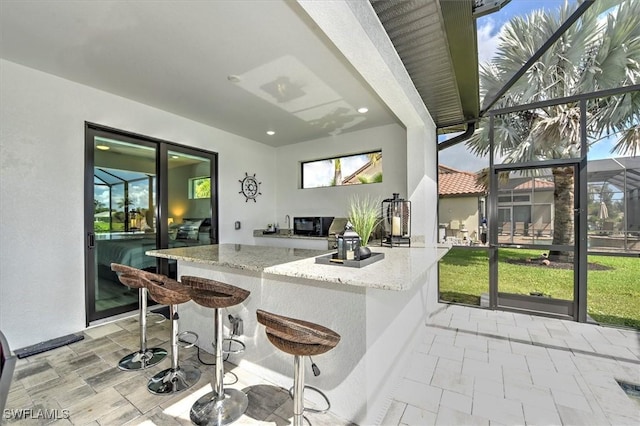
<point>532,60</point>
<point>580,231</point>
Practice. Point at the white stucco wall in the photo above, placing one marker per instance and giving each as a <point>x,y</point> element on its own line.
<point>357,32</point>
<point>42,120</point>
<point>334,201</point>
<point>461,209</point>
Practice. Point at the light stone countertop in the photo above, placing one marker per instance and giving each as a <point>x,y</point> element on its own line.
<point>284,233</point>
<point>237,256</point>
<point>401,268</point>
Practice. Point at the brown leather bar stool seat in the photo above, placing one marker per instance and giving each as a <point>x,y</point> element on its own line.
<point>221,406</point>
<point>298,338</point>
<point>144,357</point>
<point>167,291</point>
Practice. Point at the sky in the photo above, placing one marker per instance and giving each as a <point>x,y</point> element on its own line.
<point>320,173</point>
<point>138,195</point>
<point>488,28</point>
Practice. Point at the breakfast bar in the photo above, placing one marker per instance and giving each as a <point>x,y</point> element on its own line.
<point>377,310</point>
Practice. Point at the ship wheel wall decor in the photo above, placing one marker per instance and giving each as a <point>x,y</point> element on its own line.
<point>250,187</point>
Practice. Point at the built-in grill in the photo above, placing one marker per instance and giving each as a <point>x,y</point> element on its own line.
<point>337,226</point>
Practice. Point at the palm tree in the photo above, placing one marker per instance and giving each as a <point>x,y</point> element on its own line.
<point>337,171</point>
<point>594,54</point>
<point>377,178</point>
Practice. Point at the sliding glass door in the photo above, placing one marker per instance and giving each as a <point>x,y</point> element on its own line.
<point>141,194</point>
<point>190,179</point>
<point>123,219</point>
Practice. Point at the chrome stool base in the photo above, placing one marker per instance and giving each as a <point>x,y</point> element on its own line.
<point>211,411</point>
<point>141,360</point>
<point>174,380</point>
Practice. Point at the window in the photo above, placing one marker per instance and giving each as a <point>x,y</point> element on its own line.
<point>347,170</point>
<point>521,198</point>
<point>511,198</point>
<point>200,187</point>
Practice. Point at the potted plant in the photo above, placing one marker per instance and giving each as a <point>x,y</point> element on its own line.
<point>364,215</point>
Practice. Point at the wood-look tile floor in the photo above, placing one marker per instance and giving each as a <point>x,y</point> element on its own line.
<point>80,384</point>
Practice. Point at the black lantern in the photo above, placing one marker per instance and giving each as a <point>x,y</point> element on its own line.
<point>348,244</point>
<point>397,221</point>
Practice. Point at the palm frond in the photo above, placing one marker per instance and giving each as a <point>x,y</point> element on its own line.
<point>629,143</point>
<point>601,50</point>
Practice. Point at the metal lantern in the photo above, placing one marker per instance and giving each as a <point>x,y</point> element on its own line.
<point>396,217</point>
<point>348,244</point>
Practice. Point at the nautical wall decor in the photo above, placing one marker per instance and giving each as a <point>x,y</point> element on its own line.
<point>250,187</point>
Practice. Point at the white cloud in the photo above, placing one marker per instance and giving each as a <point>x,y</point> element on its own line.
<point>318,173</point>
<point>488,38</point>
<point>138,196</point>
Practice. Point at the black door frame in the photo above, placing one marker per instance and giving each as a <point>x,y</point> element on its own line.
<point>162,147</point>
<point>540,305</point>
<point>577,309</point>
<point>163,196</point>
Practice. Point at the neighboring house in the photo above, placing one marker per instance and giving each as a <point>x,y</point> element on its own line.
<point>525,208</point>
<point>524,205</point>
<point>462,203</point>
<point>369,173</point>
<point>616,181</point>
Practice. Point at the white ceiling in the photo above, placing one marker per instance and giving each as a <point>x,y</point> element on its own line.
<point>178,56</point>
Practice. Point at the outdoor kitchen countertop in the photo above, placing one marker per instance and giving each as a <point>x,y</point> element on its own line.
<point>401,268</point>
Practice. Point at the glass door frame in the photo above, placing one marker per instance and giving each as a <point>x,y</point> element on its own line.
<point>161,208</point>
<point>92,131</point>
<point>510,301</point>
<point>163,197</point>
<point>576,309</point>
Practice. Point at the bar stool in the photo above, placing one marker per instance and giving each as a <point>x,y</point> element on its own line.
<point>222,406</point>
<point>177,378</point>
<point>145,357</point>
<point>298,338</point>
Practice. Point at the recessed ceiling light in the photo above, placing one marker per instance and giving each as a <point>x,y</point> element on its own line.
<point>363,110</point>
<point>103,147</point>
<point>234,78</point>
<point>271,132</point>
<point>174,156</point>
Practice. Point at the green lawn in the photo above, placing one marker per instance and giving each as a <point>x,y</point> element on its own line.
<point>613,296</point>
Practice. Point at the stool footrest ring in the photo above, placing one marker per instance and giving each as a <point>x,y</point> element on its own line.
<point>186,343</point>
<point>319,392</point>
<point>235,376</point>
<point>159,317</point>
<point>229,351</point>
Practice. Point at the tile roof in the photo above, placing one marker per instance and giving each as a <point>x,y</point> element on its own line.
<point>540,184</point>
<point>456,182</point>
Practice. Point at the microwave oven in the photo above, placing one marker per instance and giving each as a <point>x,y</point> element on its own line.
<point>315,226</point>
